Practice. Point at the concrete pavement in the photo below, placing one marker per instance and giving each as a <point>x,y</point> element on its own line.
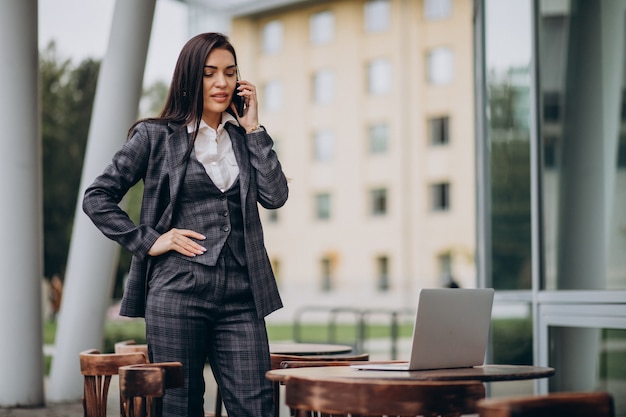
<point>75,409</point>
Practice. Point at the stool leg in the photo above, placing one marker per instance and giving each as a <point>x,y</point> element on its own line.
<point>276,399</point>
<point>218,403</point>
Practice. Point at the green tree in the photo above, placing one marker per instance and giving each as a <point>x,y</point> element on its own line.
<point>510,183</point>
<point>66,103</point>
<point>153,99</point>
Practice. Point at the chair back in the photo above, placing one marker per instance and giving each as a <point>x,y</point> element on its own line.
<point>142,387</point>
<point>97,369</point>
<point>556,404</point>
<point>375,397</point>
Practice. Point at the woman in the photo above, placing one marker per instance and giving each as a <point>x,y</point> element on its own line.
<point>200,274</point>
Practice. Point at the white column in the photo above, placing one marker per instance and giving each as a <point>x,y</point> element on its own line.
<point>582,242</point>
<point>21,356</point>
<point>594,73</point>
<point>92,258</point>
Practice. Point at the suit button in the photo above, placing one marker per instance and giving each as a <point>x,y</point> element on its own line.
<point>222,198</point>
<point>225,228</point>
<point>225,213</point>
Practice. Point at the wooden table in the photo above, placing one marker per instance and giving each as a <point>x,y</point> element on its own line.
<point>363,378</point>
<point>308,349</point>
<point>485,373</point>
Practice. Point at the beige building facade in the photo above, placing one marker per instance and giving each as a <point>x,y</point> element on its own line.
<point>371,107</point>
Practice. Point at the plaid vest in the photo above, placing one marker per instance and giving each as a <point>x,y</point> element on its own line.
<point>202,207</point>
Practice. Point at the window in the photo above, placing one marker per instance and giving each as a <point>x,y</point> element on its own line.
<point>322,27</point>
<point>550,151</point>
<point>323,86</point>
<point>551,106</point>
<point>322,206</point>
<point>378,138</point>
<point>382,272</point>
<point>323,145</point>
<point>377,15</point>
<point>621,152</point>
<point>273,93</point>
<point>272,37</point>
<point>439,130</point>
<point>326,266</point>
<point>440,66</point>
<point>440,197</point>
<point>378,201</point>
<point>437,9</point>
<point>379,76</point>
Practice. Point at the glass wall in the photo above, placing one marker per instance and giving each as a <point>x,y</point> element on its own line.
<point>507,71</point>
<point>581,70</point>
<point>551,136</point>
<point>607,349</point>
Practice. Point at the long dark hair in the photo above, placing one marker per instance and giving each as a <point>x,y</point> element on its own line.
<point>185,99</point>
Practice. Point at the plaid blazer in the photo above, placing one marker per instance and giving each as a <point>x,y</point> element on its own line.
<point>155,153</point>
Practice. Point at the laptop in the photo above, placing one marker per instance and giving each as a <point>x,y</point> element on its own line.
<point>451,330</point>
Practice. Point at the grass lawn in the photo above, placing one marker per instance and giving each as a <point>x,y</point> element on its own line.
<point>512,339</point>
<point>135,329</point>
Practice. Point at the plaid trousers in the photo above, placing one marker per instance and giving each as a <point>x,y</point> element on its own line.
<point>195,312</point>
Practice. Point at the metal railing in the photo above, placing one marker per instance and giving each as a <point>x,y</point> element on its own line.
<point>361,320</point>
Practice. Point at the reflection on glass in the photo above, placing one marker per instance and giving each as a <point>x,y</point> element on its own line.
<point>508,57</point>
<point>582,73</point>
<point>512,334</point>
<point>600,360</point>
<point>512,343</point>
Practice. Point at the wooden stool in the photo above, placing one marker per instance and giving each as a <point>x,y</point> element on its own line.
<point>556,404</point>
<point>369,397</point>
<point>142,387</point>
<point>127,346</point>
<point>97,369</point>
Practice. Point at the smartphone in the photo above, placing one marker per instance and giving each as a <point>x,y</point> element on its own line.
<point>239,101</point>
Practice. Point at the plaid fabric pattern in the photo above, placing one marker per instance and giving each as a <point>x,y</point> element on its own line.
<point>196,311</point>
<point>217,215</point>
<point>155,155</point>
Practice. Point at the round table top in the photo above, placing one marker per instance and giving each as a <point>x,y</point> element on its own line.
<point>484,373</point>
<point>294,348</point>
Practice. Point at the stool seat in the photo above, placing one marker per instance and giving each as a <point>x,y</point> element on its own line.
<point>142,387</point>
<point>130,346</point>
